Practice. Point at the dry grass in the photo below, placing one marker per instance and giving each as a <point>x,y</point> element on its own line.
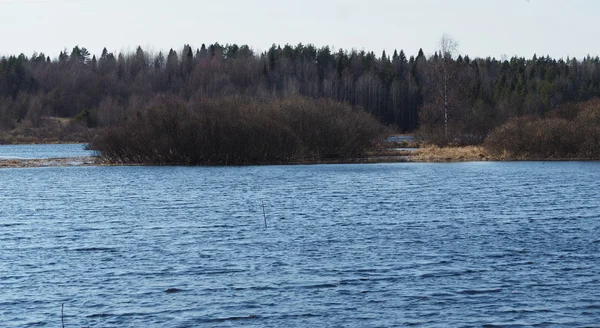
<point>74,161</point>
<point>450,154</point>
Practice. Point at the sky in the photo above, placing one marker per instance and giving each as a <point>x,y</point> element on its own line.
<point>482,28</point>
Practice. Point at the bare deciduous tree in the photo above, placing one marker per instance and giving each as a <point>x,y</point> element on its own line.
<point>447,48</point>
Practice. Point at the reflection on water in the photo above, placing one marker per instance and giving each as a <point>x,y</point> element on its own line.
<point>462,244</point>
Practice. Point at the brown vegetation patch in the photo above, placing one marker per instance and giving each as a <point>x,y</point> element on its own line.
<point>239,131</point>
<point>49,130</point>
<point>51,162</point>
<point>449,154</point>
<point>571,133</point>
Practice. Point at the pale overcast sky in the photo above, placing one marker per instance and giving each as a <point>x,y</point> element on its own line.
<point>482,27</point>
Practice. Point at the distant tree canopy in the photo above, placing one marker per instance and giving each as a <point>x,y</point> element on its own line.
<point>408,92</point>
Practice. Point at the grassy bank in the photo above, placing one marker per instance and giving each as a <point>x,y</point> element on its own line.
<point>52,162</point>
<point>449,154</point>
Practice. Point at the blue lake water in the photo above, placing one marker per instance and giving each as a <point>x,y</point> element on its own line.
<point>380,245</point>
<point>44,151</point>
<point>401,138</point>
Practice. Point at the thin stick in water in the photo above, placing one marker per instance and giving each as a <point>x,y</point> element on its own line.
<point>264,215</point>
<point>62,315</point>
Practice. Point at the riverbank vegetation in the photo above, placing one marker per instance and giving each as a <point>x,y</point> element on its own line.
<point>443,98</point>
<point>572,132</point>
<point>51,130</point>
<point>240,131</point>
<point>432,153</point>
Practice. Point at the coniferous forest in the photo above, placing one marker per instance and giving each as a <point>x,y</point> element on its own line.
<point>444,97</point>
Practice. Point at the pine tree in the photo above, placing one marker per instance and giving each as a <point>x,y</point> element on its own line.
<point>94,63</point>
<point>203,51</point>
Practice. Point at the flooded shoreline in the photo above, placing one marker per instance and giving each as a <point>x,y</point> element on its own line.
<point>48,162</point>
<point>390,155</point>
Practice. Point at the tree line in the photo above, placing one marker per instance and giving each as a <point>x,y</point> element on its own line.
<point>444,95</point>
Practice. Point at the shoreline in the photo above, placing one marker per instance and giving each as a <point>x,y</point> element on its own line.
<point>48,162</point>
<point>420,155</point>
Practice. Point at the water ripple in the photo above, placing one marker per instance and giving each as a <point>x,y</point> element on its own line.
<point>430,245</point>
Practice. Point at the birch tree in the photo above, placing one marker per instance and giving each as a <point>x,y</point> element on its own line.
<point>447,48</point>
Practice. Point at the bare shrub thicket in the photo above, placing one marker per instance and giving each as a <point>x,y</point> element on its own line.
<point>572,133</point>
<point>239,131</point>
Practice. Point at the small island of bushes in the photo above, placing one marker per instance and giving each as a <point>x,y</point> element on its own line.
<point>240,131</point>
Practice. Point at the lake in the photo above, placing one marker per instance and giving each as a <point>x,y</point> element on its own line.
<point>43,151</point>
<point>379,245</point>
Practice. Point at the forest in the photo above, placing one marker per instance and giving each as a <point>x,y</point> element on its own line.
<point>444,97</point>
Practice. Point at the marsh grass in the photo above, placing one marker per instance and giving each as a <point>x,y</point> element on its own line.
<point>449,154</point>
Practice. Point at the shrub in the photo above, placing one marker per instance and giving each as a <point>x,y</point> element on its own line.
<point>552,137</point>
<point>239,131</point>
